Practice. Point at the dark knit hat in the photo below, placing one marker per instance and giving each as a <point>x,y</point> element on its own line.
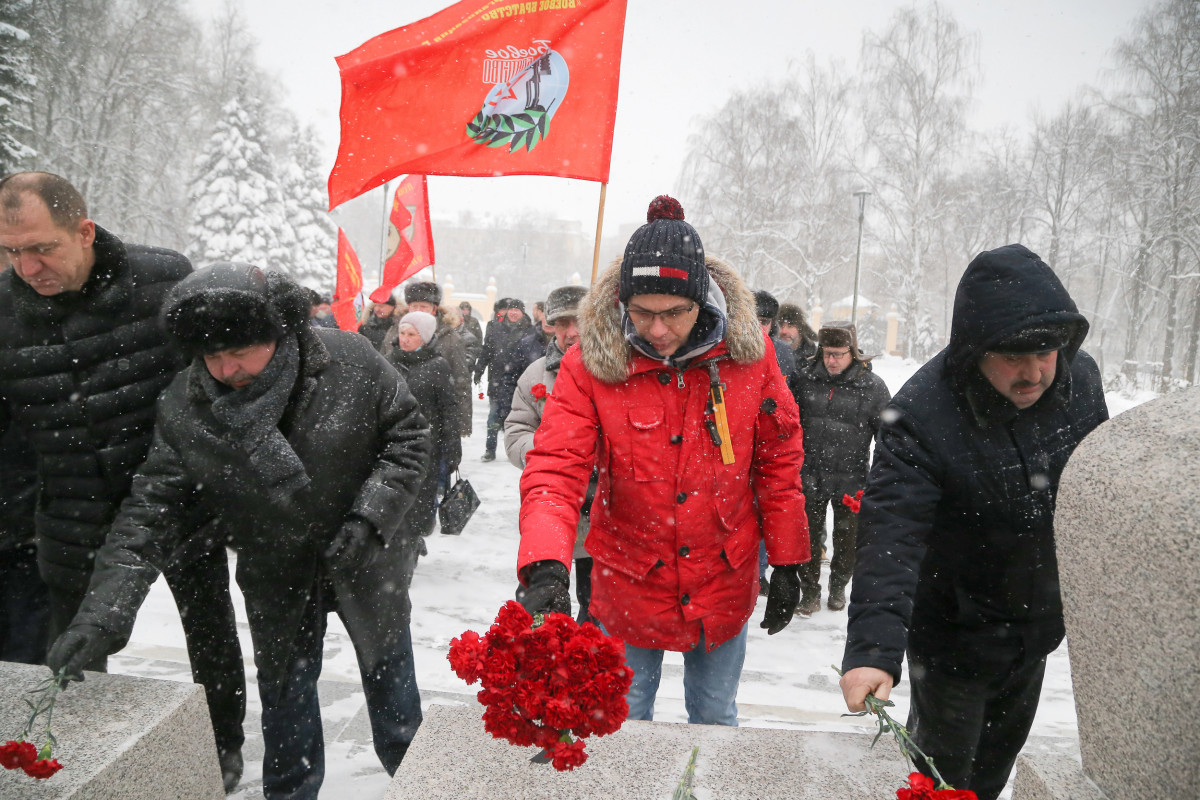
<point>228,305</point>
<point>423,292</point>
<point>564,302</point>
<point>515,302</point>
<point>664,256</point>
<point>1035,339</point>
<point>766,305</point>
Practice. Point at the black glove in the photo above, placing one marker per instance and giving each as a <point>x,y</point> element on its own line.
<point>549,588</point>
<point>351,547</point>
<point>782,598</point>
<point>79,647</point>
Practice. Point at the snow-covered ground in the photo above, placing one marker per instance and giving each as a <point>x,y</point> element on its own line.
<point>788,680</point>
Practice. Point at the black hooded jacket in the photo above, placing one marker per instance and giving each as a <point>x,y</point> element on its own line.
<point>956,534</point>
<point>80,372</point>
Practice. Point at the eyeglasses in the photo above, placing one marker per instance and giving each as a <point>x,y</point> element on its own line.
<point>670,317</point>
<point>836,353</point>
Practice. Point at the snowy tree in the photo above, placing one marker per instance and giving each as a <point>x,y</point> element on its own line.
<point>236,202</point>
<point>16,83</point>
<point>918,77</point>
<point>766,178</point>
<point>313,262</point>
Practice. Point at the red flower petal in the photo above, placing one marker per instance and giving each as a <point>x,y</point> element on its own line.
<point>17,755</point>
<point>43,769</point>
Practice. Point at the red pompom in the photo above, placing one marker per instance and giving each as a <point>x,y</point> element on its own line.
<point>664,207</point>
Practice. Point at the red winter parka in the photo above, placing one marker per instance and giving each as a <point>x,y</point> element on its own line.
<point>675,532</point>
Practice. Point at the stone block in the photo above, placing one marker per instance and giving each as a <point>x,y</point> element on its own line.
<point>1128,539</point>
<point>453,757</point>
<point>119,738</point>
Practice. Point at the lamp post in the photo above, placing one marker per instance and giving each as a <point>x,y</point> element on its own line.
<point>861,197</point>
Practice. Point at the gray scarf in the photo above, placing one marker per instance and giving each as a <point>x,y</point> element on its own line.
<point>252,416</point>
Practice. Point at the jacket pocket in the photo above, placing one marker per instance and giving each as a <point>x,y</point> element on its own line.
<point>647,440</point>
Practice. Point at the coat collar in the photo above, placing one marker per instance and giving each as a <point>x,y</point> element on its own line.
<point>108,289</point>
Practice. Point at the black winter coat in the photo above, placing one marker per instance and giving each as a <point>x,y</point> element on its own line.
<point>376,329</point>
<point>956,534</point>
<point>80,372</point>
<point>784,357</point>
<point>839,414</point>
<point>499,358</point>
<point>365,446</point>
<point>428,378</point>
<point>18,490</point>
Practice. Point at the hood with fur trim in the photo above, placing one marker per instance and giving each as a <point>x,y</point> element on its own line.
<point>608,355</point>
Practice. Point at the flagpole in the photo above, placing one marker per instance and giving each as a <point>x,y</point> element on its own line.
<point>599,230</point>
<point>387,210</point>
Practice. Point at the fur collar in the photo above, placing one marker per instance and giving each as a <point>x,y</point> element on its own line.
<point>607,354</point>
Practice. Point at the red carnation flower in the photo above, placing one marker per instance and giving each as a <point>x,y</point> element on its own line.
<point>921,787</point>
<point>481,395</point>
<point>854,502</point>
<point>17,755</point>
<point>466,656</point>
<point>538,390</point>
<point>567,755</point>
<point>546,682</point>
<point>43,768</point>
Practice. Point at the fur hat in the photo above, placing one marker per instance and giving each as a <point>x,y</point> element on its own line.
<point>840,334</point>
<point>664,256</point>
<point>422,292</point>
<point>564,302</point>
<point>766,304</point>
<point>424,323</point>
<point>228,305</point>
<point>514,302</point>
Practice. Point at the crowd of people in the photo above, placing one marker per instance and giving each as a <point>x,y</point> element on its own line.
<point>680,438</point>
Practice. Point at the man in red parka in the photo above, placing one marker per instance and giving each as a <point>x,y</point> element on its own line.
<point>675,396</point>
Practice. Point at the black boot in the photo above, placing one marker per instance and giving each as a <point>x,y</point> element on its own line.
<point>837,598</point>
<point>231,768</point>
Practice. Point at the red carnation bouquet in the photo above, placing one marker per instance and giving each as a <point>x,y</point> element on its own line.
<point>855,502</point>
<point>24,755</point>
<point>547,681</point>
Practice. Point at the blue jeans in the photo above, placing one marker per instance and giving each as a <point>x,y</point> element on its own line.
<point>294,757</point>
<point>497,413</point>
<point>710,681</point>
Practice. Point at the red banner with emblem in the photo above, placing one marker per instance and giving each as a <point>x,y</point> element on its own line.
<point>410,229</point>
<point>349,284</point>
<point>483,88</point>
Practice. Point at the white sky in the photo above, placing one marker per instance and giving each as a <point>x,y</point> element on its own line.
<point>682,58</point>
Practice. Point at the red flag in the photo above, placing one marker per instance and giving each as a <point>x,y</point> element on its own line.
<point>483,88</point>
<point>349,284</point>
<point>414,250</point>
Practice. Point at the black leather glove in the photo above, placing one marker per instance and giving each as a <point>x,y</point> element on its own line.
<point>549,588</point>
<point>79,647</point>
<point>351,547</point>
<point>782,598</point>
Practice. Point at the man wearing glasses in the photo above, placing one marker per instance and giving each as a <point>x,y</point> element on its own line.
<point>840,401</point>
<point>674,396</point>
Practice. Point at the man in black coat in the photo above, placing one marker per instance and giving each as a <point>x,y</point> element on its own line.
<point>310,449</point>
<point>840,402</point>
<point>82,361</point>
<point>501,360</point>
<point>956,559</point>
<point>768,308</point>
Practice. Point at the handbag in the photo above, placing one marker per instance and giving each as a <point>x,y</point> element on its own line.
<point>457,506</point>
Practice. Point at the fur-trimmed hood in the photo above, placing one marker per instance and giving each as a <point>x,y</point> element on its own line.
<point>608,355</point>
